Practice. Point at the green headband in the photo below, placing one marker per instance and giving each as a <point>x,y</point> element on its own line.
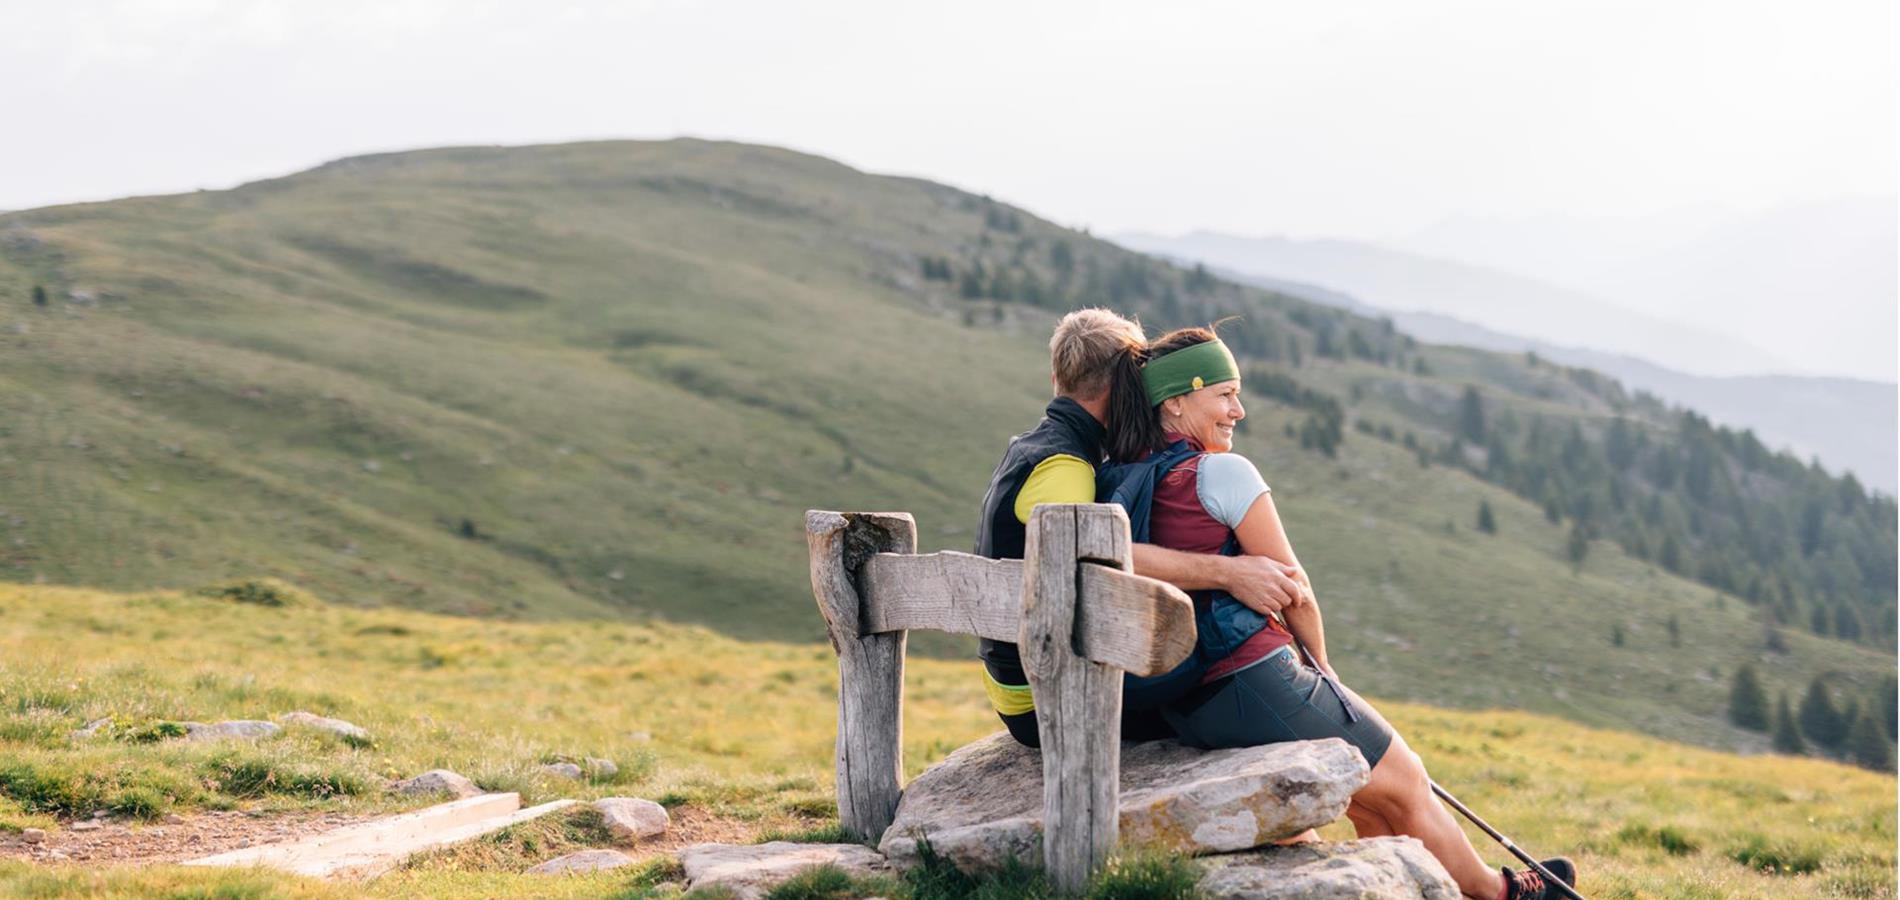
<point>1188,369</point>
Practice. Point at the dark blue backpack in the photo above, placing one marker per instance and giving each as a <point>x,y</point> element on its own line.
<point>1221,623</point>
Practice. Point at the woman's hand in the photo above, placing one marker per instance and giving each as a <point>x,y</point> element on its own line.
<point>1264,584</point>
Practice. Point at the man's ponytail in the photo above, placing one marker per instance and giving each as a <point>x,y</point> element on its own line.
<point>1134,428</point>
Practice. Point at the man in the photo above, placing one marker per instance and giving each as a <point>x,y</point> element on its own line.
<point>1055,463</point>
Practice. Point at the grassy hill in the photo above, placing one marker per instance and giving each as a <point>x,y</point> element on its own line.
<point>602,381</point>
<point>742,732</point>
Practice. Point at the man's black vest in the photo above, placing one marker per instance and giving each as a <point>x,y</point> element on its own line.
<point>1066,428</point>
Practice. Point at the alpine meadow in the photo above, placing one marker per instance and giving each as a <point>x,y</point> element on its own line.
<point>515,427</point>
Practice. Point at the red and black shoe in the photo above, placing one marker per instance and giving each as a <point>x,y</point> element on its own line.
<point>1529,885</point>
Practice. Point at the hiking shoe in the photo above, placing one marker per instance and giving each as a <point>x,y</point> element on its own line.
<point>1528,885</point>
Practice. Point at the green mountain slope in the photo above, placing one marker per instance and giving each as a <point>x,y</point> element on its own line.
<point>606,379</point>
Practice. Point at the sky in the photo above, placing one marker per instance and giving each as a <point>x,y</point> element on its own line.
<point>1364,120</point>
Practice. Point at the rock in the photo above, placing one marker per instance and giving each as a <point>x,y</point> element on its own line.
<point>751,870</point>
<point>90,729</point>
<point>247,729</point>
<point>174,819</point>
<point>630,818</point>
<point>437,781</point>
<point>1378,867</point>
<point>562,770</point>
<point>88,825</point>
<point>583,861</point>
<point>601,769</point>
<point>983,803</point>
<point>338,727</point>
<point>33,835</point>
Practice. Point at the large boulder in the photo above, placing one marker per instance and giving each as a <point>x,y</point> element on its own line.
<point>983,803</point>
<point>750,871</point>
<point>1368,869</point>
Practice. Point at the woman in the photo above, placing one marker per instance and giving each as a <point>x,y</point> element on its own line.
<point>1257,690</point>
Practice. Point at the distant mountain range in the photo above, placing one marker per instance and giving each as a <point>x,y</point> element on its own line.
<point>1847,423</point>
<point>1815,280</point>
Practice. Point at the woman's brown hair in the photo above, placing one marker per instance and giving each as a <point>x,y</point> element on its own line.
<point>1134,424</point>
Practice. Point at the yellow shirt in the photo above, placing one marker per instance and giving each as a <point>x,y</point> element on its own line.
<point>1059,479</point>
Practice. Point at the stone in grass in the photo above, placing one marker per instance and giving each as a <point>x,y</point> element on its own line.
<point>1378,867</point>
<point>749,871</point>
<point>983,803</point>
<point>347,731</point>
<point>631,818</point>
<point>562,770</point>
<point>90,729</point>
<point>245,729</point>
<point>582,861</point>
<point>437,781</point>
<point>600,769</point>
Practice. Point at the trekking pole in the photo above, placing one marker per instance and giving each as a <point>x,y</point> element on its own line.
<point>1516,851</point>
<point>1445,795</point>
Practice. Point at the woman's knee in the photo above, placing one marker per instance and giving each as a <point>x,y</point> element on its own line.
<point>1398,781</point>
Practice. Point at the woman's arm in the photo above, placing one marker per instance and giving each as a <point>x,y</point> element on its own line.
<point>1261,534</point>
<point>1262,584</point>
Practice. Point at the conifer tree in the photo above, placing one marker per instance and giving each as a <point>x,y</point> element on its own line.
<point>1578,546</point>
<point>1787,733</point>
<point>1471,415</point>
<point>1747,704</point>
<point>1820,721</point>
<point>1675,631</point>
<point>1868,745</point>
<point>39,295</point>
<point>1487,523</point>
<point>1889,695</point>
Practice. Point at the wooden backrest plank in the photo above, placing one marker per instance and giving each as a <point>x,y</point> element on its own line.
<point>1135,624</point>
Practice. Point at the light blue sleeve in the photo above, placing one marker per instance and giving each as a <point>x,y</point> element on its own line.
<point>1228,486</point>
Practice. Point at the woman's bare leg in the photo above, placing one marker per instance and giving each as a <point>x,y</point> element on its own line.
<point>1367,823</point>
<point>1400,794</point>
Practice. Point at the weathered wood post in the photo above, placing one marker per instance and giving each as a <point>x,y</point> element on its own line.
<point>1078,702</point>
<point>870,666</point>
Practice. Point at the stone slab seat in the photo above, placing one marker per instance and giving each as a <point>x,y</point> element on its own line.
<point>983,802</point>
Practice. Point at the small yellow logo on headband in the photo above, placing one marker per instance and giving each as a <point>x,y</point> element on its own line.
<point>1197,382</point>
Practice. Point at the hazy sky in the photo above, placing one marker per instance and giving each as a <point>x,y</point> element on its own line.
<point>1374,119</point>
<point>1363,119</point>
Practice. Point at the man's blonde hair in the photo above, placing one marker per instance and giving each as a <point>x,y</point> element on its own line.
<point>1085,346</point>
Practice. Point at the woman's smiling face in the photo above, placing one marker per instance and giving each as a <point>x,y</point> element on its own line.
<point>1207,415</point>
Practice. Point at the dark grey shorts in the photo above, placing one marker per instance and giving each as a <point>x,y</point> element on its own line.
<point>1276,699</point>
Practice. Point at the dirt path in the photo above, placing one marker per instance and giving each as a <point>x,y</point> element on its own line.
<point>177,838</point>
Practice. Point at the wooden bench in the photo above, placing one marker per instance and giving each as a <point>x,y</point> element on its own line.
<point>1073,605</point>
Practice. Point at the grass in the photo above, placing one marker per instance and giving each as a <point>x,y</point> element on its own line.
<point>1644,817</point>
